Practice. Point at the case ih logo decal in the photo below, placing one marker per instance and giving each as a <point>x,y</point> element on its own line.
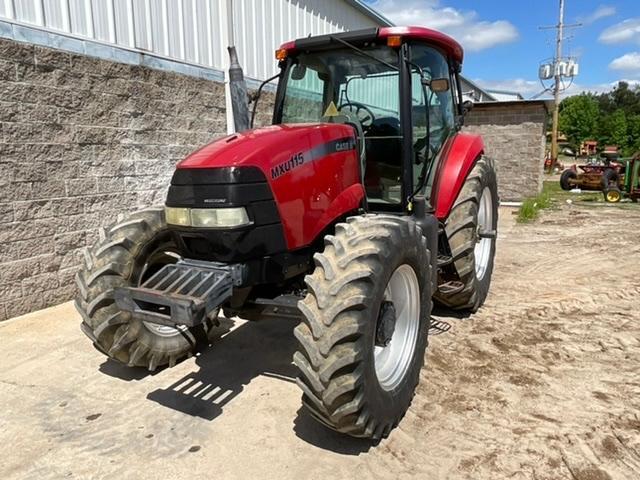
<point>335,146</point>
<point>343,145</point>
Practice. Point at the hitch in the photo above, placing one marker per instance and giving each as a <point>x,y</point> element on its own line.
<point>183,293</point>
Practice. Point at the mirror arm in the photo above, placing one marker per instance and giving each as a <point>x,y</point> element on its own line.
<point>256,95</point>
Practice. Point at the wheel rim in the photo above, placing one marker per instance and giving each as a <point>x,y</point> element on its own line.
<point>482,250</point>
<point>159,258</point>
<point>612,196</point>
<point>393,361</point>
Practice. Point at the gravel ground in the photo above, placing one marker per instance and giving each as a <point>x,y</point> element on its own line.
<point>542,383</point>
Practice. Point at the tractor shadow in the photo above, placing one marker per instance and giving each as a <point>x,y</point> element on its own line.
<point>123,372</point>
<point>443,319</point>
<point>311,431</point>
<point>249,350</point>
<point>244,351</point>
<point>445,312</point>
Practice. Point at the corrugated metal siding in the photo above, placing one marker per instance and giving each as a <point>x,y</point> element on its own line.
<point>263,25</point>
<point>192,30</point>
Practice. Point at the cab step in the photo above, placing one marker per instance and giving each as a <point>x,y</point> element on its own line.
<point>444,260</point>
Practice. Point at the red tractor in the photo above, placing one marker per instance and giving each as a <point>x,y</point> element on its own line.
<point>357,208</point>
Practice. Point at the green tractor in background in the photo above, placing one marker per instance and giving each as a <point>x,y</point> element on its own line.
<point>630,187</point>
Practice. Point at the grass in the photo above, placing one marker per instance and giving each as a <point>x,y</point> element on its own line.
<point>555,192</point>
<point>552,195</point>
<point>530,208</point>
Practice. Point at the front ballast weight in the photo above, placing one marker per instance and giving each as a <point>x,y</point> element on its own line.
<point>184,293</point>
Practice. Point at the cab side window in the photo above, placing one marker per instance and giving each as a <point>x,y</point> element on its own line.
<point>303,102</point>
<point>437,103</point>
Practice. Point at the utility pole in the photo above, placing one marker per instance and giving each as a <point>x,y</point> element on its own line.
<point>556,88</point>
<point>559,67</point>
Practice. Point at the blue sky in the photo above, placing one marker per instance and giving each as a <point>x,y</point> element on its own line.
<point>504,46</point>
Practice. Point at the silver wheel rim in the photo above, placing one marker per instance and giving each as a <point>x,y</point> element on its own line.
<point>393,361</point>
<point>162,330</point>
<point>482,250</point>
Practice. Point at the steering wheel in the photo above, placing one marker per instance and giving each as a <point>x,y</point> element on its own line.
<point>363,113</point>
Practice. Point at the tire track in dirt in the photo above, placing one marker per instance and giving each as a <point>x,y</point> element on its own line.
<point>536,383</point>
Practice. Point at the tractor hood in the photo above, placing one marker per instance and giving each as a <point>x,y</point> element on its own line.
<point>272,147</point>
<point>309,172</point>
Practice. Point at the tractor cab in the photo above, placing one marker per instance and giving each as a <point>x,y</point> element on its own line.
<point>398,88</point>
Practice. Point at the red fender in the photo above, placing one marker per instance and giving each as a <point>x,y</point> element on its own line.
<point>459,156</point>
<point>347,201</point>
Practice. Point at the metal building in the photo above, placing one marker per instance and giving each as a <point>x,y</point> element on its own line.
<point>195,31</point>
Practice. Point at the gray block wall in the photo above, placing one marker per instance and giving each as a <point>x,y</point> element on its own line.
<point>81,141</point>
<point>514,134</point>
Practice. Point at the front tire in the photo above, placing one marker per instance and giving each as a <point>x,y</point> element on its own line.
<point>127,254</point>
<point>612,194</point>
<point>565,179</point>
<point>358,374</point>
<point>471,230</point>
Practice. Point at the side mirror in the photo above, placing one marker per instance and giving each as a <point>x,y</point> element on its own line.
<point>439,85</point>
<point>467,106</point>
<point>298,73</point>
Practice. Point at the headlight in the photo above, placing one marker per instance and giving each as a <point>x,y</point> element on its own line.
<point>207,217</point>
<point>177,216</point>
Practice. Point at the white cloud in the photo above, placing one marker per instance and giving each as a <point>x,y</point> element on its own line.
<point>628,62</point>
<point>465,26</point>
<point>625,31</point>
<point>602,11</point>
<point>528,88</point>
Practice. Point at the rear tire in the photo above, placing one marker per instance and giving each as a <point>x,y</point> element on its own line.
<point>565,177</point>
<point>127,254</point>
<point>473,259</point>
<point>350,382</point>
<point>610,179</point>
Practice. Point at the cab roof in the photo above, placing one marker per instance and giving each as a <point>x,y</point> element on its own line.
<point>451,47</point>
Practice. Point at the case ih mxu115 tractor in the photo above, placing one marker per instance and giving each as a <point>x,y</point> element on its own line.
<point>358,207</point>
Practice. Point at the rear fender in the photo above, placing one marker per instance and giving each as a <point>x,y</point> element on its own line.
<point>458,158</point>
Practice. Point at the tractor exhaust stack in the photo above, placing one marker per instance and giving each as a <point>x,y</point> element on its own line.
<point>238,89</point>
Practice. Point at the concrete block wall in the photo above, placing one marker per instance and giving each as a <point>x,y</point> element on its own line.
<point>81,141</point>
<point>514,136</point>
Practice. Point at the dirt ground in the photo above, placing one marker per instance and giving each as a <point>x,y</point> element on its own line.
<point>543,383</point>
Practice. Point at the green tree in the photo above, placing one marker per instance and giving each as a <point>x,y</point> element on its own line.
<point>579,118</point>
<point>617,119</point>
<point>613,129</point>
<point>626,98</point>
<point>634,135</point>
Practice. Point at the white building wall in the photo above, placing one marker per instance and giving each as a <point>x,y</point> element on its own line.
<point>263,25</point>
<point>192,31</point>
